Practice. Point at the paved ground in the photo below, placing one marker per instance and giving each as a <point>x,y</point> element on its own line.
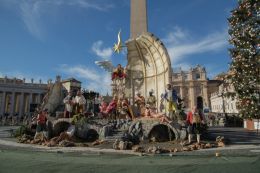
<point>5,131</point>
<point>41,162</point>
<point>235,135</point>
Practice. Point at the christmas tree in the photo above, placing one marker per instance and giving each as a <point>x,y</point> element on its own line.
<point>245,66</point>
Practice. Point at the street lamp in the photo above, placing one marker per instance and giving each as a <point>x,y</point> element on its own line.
<point>223,99</point>
<point>257,94</point>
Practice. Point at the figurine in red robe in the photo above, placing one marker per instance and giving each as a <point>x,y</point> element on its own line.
<point>112,105</point>
<point>119,73</point>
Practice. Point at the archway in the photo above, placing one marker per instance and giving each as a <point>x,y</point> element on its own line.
<point>200,103</point>
<point>92,135</point>
<point>161,133</point>
<point>60,127</point>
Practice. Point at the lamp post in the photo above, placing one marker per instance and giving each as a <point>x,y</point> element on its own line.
<point>223,100</point>
<point>257,94</point>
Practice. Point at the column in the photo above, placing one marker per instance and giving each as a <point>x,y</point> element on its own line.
<point>192,95</point>
<point>181,91</point>
<point>12,104</point>
<point>26,102</point>
<point>17,103</point>
<point>205,95</point>
<point>223,110</point>
<point>21,108</point>
<point>42,95</point>
<point>30,100</point>
<point>39,98</point>
<point>2,111</point>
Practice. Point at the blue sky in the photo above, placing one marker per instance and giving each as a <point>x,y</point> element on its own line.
<point>43,38</point>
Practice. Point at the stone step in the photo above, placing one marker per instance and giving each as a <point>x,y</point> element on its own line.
<point>5,134</point>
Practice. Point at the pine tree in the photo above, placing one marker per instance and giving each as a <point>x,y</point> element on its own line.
<point>245,66</point>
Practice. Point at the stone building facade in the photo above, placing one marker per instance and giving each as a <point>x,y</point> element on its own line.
<point>222,104</point>
<point>194,87</point>
<point>18,96</point>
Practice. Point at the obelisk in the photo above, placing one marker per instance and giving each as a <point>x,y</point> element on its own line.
<point>148,62</point>
<point>138,18</point>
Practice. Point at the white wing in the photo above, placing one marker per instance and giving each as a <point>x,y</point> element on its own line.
<point>106,65</point>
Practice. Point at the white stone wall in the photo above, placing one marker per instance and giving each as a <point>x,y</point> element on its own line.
<point>216,103</point>
<point>16,96</point>
<point>219,97</point>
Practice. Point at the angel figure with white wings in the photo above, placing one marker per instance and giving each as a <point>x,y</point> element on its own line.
<point>118,74</point>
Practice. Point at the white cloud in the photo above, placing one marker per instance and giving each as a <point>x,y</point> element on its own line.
<point>92,79</point>
<point>104,53</point>
<point>183,66</point>
<point>176,36</point>
<point>32,11</point>
<point>89,4</point>
<point>102,86</point>
<point>214,69</point>
<point>81,72</point>
<point>181,44</point>
<point>211,69</point>
<point>27,77</point>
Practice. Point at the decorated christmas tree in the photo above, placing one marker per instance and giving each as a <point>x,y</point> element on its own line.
<point>245,66</point>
